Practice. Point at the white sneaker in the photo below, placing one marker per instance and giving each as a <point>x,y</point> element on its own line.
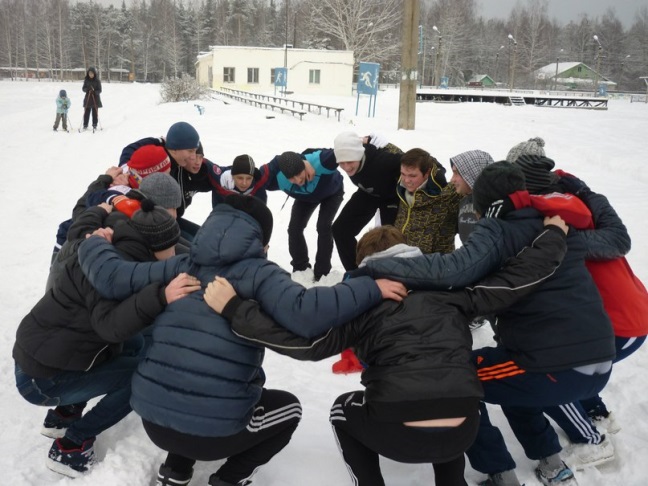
<point>609,424</point>
<point>580,456</point>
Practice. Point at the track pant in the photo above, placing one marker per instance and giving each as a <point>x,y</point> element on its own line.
<point>574,418</point>
<point>355,215</point>
<point>60,117</point>
<point>299,217</point>
<point>523,397</point>
<point>273,422</point>
<point>362,440</point>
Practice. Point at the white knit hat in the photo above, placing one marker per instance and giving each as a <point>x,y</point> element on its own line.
<point>347,147</point>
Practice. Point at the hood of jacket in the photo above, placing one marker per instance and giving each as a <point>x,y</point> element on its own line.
<point>227,236</point>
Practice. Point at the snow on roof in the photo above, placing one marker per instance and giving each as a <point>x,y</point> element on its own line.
<point>550,69</point>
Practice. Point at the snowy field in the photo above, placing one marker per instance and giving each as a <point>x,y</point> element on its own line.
<point>46,172</point>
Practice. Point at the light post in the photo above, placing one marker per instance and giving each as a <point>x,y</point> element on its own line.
<point>422,54</point>
<point>556,75</point>
<point>438,61</point>
<point>497,63</point>
<point>623,61</point>
<point>512,43</point>
<point>598,63</point>
<point>432,56</point>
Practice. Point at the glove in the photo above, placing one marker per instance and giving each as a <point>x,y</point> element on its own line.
<point>573,185</point>
<point>125,205</point>
<point>378,140</point>
<point>499,208</point>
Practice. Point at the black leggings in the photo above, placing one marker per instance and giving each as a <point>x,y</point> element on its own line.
<point>363,439</point>
<point>273,422</point>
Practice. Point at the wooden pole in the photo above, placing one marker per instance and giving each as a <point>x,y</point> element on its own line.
<point>409,62</point>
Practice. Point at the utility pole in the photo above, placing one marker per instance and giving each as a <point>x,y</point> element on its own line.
<point>409,62</point>
<point>598,64</point>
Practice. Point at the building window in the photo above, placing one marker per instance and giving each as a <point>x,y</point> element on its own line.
<point>272,76</point>
<point>579,69</point>
<point>228,75</point>
<point>314,76</point>
<point>253,75</point>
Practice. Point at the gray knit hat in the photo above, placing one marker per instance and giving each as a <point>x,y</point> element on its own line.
<point>291,164</point>
<point>162,189</point>
<point>156,225</point>
<point>470,164</point>
<point>533,146</point>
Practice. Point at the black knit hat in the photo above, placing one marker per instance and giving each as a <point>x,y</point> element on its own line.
<point>156,225</point>
<point>495,182</point>
<point>255,208</point>
<point>291,164</point>
<point>537,172</point>
<point>243,164</point>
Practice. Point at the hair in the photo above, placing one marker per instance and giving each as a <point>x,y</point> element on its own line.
<point>378,239</point>
<point>420,159</point>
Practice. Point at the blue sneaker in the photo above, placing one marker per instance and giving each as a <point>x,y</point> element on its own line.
<point>562,476</point>
<point>71,462</point>
<point>59,419</point>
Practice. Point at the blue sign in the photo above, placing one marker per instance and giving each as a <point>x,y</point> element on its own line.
<point>281,76</point>
<point>602,89</point>
<point>444,82</point>
<point>368,78</point>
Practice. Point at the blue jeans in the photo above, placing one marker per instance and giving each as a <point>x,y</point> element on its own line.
<point>112,379</point>
<point>523,398</point>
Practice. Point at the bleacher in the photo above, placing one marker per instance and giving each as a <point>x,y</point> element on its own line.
<point>279,102</point>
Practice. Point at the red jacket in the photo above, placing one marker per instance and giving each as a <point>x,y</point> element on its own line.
<point>624,296</point>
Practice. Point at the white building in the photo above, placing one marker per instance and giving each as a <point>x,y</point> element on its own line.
<point>310,71</point>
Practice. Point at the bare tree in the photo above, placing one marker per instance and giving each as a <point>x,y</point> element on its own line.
<point>358,25</point>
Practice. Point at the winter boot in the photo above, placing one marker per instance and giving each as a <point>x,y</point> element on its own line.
<point>168,477</point>
<point>605,421</point>
<point>216,481</point>
<point>60,418</point>
<point>73,462</point>
<point>505,478</point>
<point>580,456</point>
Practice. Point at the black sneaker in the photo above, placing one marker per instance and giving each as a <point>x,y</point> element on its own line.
<point>59,419</point>
<point>168,477</point>
<point>71,462</point>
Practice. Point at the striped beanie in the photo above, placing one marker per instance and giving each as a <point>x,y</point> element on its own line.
<point>537,172</point>
<point>470,164</point>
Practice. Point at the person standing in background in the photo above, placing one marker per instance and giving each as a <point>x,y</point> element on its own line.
<point>92,100</point>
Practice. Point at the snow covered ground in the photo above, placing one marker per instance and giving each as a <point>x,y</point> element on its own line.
<point>45,172</point>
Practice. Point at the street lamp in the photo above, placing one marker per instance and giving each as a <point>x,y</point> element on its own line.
<point>512,42</point>
<point>622,66</point>
<point>556,76</point>
<point>497,63</point>
<point>598,63</point>
<point>421,54</point>
<point>438,61</point>
<point>432,56</point>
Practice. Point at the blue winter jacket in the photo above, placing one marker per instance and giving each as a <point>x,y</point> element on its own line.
<point>327,180</point>
<point>63,104</point>
<point>198,378</point>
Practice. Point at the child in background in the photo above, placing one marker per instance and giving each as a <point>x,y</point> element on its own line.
<point>63,104</point>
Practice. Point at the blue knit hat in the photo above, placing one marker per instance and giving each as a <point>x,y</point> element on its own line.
<point>62,93</point>
<point>182,136</point>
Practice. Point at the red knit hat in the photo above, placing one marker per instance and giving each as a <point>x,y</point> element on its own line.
<point>145,161</point>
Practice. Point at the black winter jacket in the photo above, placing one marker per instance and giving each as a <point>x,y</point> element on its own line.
<point>379,173</point>
<point>72,328</point>
<point>560,327</point>
<point>425,339</point>
<point>92,90</point>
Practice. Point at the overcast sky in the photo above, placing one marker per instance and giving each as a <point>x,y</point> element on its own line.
<point>562,10</point>
<point>566,10</point>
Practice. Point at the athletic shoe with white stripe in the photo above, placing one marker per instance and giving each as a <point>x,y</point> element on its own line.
<point>580,456</point>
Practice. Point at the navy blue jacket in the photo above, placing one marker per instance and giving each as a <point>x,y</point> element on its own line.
<point>198,377</point>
